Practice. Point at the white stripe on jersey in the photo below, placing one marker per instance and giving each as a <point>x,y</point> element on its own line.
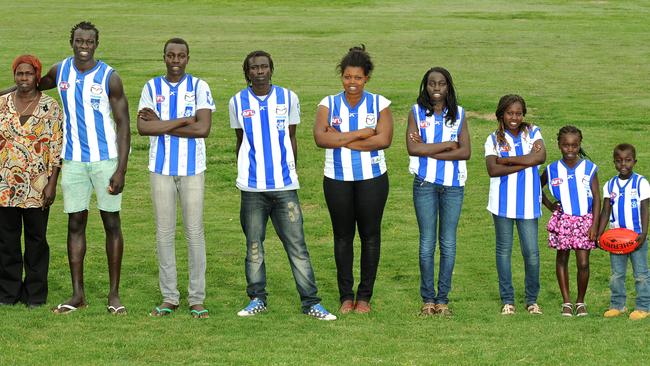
<point>174,155</point>
<point>434,129</point>
<point>88,130</point>
<point>517,195</point>
<point>265,161</point>
<point>572,187</point>
<point>352,165</point>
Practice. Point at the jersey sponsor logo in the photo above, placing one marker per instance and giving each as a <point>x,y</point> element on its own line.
<point>160,99</point>
<point>612,196</point>
<point>370,120</point>
<point>504,148</point>
<point>248,113</point>
<point>376,159</point>
<point>189,97</point>
<point>64,85</point>
<point>556,181</point>
<point>424,124</point>
<point>281,110</point>
<point>634,194</point>
<point>586,181</point>
<point>336,120</point>
<point>570,176</point>
<point>292,165</point>
<point>96,89</point>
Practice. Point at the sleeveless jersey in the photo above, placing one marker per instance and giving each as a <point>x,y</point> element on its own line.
<point>517,195</point>
<point>265,161</point>
<point>88,130</point>
<point>352,165</point>
<point>174,155</point>
<point>572,186</point>
<point>434,129</point>
<point>625,198</point>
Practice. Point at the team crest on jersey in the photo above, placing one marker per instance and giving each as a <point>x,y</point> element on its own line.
<point>280,123</point>
<point>160,99</point>
<point>281,110</point>
<point>64,85</point>
<point>556,182</point>
<point>248,113</point>
<point>634,193</point>
<point>424,124</point>
<point>189,97</point>
<point>208,96</point>
<point>634,204</point>
<point>453,137</point>
<point>504,148</point>
<point>336,120</point>
<point>96,89</point>
<point>94,102</point>
<point>370,120</point>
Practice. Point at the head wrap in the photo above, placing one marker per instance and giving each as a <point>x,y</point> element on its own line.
<point>30,60</point>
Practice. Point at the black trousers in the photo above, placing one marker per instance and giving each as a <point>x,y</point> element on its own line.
<point>33,288</point>
<point>356,204</point>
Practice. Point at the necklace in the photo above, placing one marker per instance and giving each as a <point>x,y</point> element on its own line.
<point>26,108</point>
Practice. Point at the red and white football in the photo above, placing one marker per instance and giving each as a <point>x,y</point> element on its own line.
<point>619,241</point>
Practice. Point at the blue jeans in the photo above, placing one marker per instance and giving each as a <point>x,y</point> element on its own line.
<point>639,259</point>
<point>436,205</point>
<point>284,210</point>
<point>527,230</point>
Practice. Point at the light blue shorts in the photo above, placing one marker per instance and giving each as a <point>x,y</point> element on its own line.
<point>78,179</point>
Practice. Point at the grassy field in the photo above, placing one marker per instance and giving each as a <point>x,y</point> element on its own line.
<point>582,63</point>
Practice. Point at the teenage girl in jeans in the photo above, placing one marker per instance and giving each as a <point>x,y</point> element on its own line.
<point>437,139</point>
<point>512,156</point>
<point>354,127</point>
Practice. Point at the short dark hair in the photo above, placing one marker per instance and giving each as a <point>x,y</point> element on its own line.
<point>356,57</point>
<point>85,25</point>
<point>176,41</point>
<point>258,53</point>
<point>624,147</point>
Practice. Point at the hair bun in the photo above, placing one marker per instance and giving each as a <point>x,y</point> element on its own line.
<point>360,48</point>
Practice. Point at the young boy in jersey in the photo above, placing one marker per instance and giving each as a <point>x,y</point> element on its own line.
<point>625,205</point>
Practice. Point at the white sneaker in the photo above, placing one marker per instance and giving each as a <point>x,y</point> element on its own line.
<point>508,309</point>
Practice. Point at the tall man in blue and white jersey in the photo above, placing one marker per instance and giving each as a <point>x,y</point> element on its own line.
<point>264,117</point>
<point>175,111</point>
<point>96,145</point>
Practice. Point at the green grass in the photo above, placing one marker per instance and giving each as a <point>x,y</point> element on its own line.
<point>583,63</point>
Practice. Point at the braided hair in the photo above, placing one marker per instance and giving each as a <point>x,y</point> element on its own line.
<point>575,130</point>
<point>504,103</point>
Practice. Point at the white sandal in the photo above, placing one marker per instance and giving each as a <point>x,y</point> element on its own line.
<point>567,306</point>
<point>583,306</point>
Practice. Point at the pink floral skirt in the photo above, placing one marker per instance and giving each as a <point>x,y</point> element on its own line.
<point>569,232</point>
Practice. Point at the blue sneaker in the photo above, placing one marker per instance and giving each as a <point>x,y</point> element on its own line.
<point>254,307</point>
<point>318,311</point>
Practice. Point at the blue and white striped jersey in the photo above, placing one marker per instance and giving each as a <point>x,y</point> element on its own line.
<point>434,129</point>
<point>88,130</point>
<point>265,161</point>
<point>174,155</point>
<point>517,195</point>
<point>352,165</point>
<point>625,196</point>
<point>572,186</point>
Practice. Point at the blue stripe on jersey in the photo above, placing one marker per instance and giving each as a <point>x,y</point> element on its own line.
<point>552,172</point>
<point>503,196</point>
<point>610,187</point>
<point>64,74</point>
<point>81,119</point>
<point>373,154</point>
<point>286,178</point>
<point>420,115</point>
<point>191,142</point>
<point>335,110</point>
<point>266,143</point>
<point>521,175</point>
<point>99,119</point>
<point>590,200</point>
<point>160,151</point>
<point>248,129</point>
<point>355,155</point>
<point>536,193</point>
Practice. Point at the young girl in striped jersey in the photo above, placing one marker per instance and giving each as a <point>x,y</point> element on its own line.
<point>437,139</point>
<point>512,155</point>
<point>573,182</point>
